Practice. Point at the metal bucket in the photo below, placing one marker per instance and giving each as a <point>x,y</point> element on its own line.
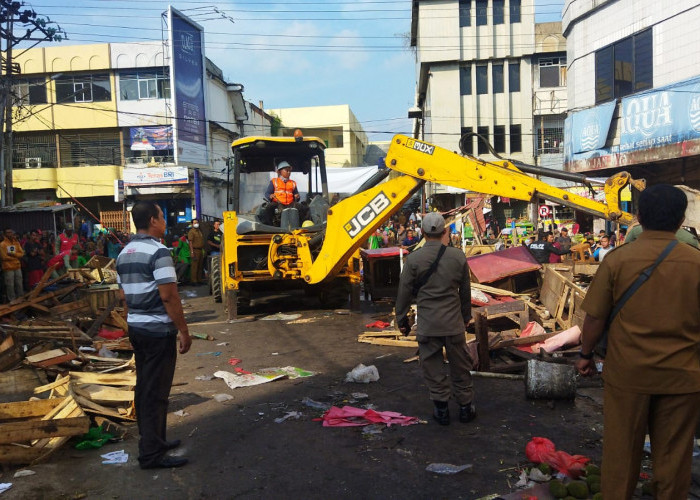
<point>545,380</point>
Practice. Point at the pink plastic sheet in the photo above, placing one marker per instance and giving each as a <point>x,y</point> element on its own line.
<point>350,416</point>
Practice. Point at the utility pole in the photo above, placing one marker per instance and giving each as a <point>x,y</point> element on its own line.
<point>13,16</point>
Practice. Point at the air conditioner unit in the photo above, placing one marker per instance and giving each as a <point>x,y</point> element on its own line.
<point>32,162</point>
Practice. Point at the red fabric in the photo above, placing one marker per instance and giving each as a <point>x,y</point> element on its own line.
<point>541,450</point>
<point>108,334</point>
<point>34,277</point>
<point>284,191</point>
<point>234,361</point>
<point>349,416</point>
<point>554,258</point>
<point>377,324</point>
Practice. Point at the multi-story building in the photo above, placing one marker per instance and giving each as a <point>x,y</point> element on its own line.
<point>485,67</point>
<point>91,117</point>
<point>337,126</point>
<point>634,89</point>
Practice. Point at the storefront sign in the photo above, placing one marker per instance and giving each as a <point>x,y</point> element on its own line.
<point>151,138</point>
<point>661,116</point>
<point>155,176</point>
<point>587,130</point>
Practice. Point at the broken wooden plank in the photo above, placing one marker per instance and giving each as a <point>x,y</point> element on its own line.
<point>104,394</point>
<point>389,342</point>
<point>11,432</point>
<point>118,379</point>
<point>59,381</point>
<point>481,326</point>
<point>27,409</point>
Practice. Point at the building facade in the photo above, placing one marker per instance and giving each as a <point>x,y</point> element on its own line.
<point>96,121</point>
<point>346,141</point>
<point>484,67</point>
<point>634,89</point>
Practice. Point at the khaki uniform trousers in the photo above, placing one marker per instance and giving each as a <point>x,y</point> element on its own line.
<point>441,385</point>
<point>196,265</point>
<point>671,420</point>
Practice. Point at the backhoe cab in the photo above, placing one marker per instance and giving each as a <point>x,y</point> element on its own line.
<point>263,254</point>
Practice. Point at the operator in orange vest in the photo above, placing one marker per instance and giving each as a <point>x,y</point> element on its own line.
<point>282,193</point>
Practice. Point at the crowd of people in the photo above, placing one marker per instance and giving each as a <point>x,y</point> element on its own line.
<point>27,256</point>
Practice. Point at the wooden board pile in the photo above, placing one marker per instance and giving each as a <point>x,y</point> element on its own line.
<point>499,338</point>
<point>72,332</point>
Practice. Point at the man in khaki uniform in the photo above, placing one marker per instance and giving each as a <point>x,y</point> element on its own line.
<point>652,368</point>
<point>444,310</point>
<point>196,241</point>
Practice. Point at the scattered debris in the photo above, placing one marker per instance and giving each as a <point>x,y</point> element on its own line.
<point>115,457</point>
<point>4,487</point>
<point>263,376</point>
<point>363,374</point>
<point>447,469</point>
<point>281,317</point>
<point>359,396</point>
<point>222,398</point>
<point>316,404</point>
<point>350,416</point>
<point>289,415</point>
<point>203,336</point>
<point>210,353</point>
<point>24,472</point>
<point>204,377</point>
<point>180,413</point>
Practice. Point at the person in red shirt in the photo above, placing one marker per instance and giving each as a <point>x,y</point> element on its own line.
<point>67,240</point>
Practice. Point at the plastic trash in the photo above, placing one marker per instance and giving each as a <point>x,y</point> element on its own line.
<point>180,413</point>
<point>204,377</point>
<point>4,487</point>
<point>316,404</point>
<point>222,398</point>
<point>106,353</point>
<point>24,472</point>
<point>363,374</point>
<point>115,457</point>
<point>281,317</point>
<point>291,414</point>
<point>203,336</point>
<point>447,468</point>
<point>359,396</point>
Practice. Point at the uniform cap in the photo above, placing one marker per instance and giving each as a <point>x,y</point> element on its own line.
<point>283,164</point>
<point>433,223</point>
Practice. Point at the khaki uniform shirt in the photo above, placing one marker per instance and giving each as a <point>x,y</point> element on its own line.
<point>196,239</point>
<point>653,341</point>
<point>444,302</point>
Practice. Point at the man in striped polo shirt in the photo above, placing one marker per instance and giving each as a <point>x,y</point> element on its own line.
<point>147,278</point>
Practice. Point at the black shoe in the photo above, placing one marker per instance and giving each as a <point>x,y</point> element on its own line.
<point>171,445</point>
<point>467,413</point>
<point>442,415</point>
<point>166,463</point>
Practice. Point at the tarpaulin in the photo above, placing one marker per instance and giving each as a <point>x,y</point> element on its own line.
<point>350,416</point>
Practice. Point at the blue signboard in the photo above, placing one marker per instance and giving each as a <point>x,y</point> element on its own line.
<point>662,116</point>
<point>151,138</point>
<point>188,84</point>
<point>587,130</point>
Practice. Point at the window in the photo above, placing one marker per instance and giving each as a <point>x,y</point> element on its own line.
<point>465,80</point>
<point>552,72</point>
<point>144,84</point>
<point>498,8</point>
<point>467,144</point>
<point>482,149</point>
<point>29,91</point>
<point>90,148</point>
<point>465,13</point>
<point>514,76</point>
<point>481,12</point>
<point>482,79</point>
<point>549,135</point>
<point>516,139</point>
<point>624,67</point>
<point>83,88</point>
<point>514,11</point>
<point>497,75</point>
<point>499,138</point>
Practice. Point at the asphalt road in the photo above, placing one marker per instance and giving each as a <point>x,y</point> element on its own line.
<point>236,449</point>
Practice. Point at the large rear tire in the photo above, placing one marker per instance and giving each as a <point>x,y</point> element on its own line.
<point>215,277</point>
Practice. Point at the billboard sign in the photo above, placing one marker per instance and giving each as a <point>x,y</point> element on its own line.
<point>153,176</point>
<point>151,138</point>
<point>187,79</point>
<point>587,130</point>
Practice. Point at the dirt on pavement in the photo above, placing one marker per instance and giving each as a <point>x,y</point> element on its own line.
<point>236,450</point>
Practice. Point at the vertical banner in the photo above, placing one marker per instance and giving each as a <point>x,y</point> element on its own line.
<point>187,81</point>
<point>197,194</point>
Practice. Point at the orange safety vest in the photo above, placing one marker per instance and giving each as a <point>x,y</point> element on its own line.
<point>284,191</point>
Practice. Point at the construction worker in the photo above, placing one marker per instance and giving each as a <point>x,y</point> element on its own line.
<point>282,193</point>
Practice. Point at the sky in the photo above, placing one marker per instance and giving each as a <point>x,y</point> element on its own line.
<point>293,53</point>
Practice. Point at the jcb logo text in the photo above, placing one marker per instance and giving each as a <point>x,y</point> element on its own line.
<point>367,214</point>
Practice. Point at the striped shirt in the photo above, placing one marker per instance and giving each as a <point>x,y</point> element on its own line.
<point>141,267</point>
